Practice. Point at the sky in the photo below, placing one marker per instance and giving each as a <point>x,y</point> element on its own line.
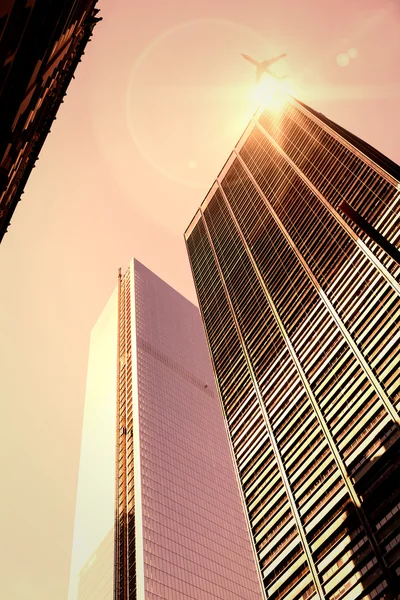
<point>158,102</point>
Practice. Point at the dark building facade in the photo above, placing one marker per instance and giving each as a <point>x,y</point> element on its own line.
<point>294,254</point>
<point>41,43</point>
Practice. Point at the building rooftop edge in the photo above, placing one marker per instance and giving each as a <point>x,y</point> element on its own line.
<point>369,151</point>
<point>372,153</point>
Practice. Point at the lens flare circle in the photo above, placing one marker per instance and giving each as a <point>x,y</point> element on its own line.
<point>146,135</point>
<point>342,60</point>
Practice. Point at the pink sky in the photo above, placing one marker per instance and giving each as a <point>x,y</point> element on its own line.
<point>158,102</point>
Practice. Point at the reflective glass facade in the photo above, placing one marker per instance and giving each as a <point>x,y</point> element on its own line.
<point>181,530</point>
<point>301,311</point>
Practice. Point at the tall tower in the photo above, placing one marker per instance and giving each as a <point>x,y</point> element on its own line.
<point>180,528</point>
<point>294,253</point>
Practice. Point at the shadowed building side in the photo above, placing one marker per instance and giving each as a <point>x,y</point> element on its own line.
<point>301,310</point>
<point>41,44</point>
<point>95,499</point>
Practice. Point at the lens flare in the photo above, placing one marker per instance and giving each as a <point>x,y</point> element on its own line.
<point>352,52</point>
<point>342,60</point>
<point>271,95</point>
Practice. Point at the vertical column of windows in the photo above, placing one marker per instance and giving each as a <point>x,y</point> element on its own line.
<point>131,549</point>
<point>373,309</point>
<point>282,558</point>
<point>319,345</point>
<point>368,306</point>
<point>121,450</point>
<point>340,174</point>
<point>315,480</point>
<point>125,546</point>
<point>366,303</point>
<point>276,540</point>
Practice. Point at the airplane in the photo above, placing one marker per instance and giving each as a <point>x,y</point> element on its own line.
<point>263,66</point>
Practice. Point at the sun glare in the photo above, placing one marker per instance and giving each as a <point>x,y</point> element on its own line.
<point>271,95</point>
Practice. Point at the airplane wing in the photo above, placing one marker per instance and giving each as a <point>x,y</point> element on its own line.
<point>250,59</point>
<point>271,61</point>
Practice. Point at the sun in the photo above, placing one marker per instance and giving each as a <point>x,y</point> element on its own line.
<point>270,94</point>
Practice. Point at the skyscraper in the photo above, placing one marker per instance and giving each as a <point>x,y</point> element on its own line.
<point>294,253</point>
<point>180,527</point>
<point>41,44</point>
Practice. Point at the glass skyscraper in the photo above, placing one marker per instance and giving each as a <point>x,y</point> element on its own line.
<point>294,253</point>
<point>180,527</point>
